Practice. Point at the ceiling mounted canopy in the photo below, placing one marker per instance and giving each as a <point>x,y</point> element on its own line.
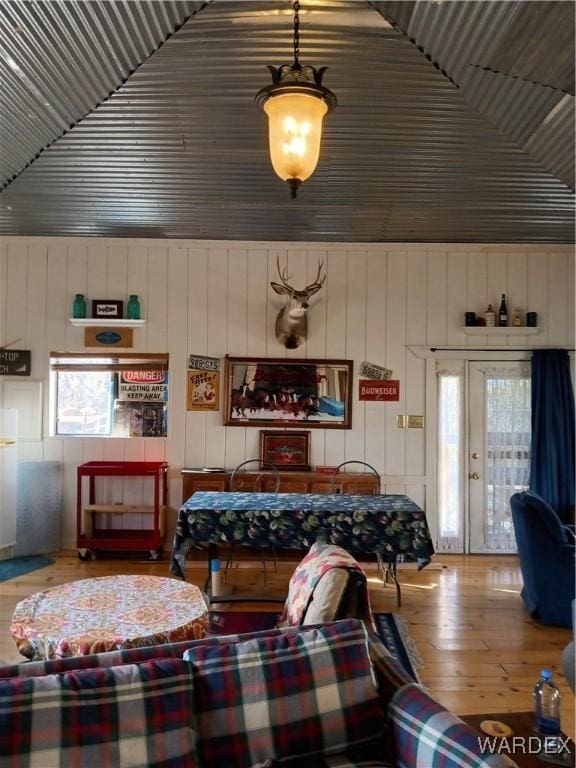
<point>296,104</point>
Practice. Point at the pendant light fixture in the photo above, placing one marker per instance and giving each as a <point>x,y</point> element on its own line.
<point>295,103</point>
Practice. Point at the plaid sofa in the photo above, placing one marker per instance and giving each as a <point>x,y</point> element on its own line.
<point>325,695</point>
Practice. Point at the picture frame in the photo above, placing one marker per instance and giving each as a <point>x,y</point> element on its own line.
<point>288,392</point>
<point>285,450</point>
<point>107,308</point>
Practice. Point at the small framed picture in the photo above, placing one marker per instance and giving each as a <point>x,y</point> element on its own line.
<point>285,450</point>
<point>106,308</point>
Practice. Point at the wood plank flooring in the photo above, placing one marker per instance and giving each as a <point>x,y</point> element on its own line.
<point>480,650</point>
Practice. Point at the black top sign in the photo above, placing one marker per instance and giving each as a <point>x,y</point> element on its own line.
<point>14,362</point>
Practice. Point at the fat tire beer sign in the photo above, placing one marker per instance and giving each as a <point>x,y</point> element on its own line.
<point>373,389</point>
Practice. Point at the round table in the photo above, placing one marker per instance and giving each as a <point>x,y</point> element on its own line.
<point>108,613</point>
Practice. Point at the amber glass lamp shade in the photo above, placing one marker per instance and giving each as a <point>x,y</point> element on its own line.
<point>294,133</point>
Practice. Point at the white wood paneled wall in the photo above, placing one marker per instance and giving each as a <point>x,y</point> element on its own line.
<point>213,298</point>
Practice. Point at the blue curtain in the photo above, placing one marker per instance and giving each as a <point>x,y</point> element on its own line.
<point>553,457</point>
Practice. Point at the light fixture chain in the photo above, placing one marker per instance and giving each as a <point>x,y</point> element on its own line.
<point>296,33</point>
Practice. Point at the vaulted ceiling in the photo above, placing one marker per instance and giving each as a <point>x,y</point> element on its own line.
<point>455,120</point>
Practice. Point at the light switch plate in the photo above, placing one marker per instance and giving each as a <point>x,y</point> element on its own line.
<point>401,421</point>
<point>415,422</point>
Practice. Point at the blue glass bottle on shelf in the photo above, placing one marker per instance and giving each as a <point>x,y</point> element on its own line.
<point>79,306</point>
<point>133,309</point>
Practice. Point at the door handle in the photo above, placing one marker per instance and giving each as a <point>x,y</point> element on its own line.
<point>475,476</point>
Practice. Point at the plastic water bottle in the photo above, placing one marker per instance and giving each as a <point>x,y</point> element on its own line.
<point>547,711</point>
<point>215,577</point>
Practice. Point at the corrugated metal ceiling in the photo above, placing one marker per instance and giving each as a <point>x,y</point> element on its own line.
<point>179,149</point>
<point>513,61</point>
<point>58,60</point>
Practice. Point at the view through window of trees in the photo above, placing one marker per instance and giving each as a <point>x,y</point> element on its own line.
<point>85,401</point>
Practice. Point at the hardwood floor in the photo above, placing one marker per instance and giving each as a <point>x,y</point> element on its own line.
<point>480,650</point>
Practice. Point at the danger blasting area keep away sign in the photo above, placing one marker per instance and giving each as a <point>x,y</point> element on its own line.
<point>143,386</point>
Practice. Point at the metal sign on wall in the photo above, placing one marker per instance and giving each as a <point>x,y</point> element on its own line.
<point>203,390</point>
<point>373,371</point>
<point>143,386</point>
<point>14,362</point>
<point>201,363</point>
<point>369,389</point>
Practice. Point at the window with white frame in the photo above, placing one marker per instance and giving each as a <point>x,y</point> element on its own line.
<point>108,394</point>
<point>450,458</point>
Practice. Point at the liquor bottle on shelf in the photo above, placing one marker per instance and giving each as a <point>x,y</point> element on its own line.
<point>490,317</point>
<point>503,312</point>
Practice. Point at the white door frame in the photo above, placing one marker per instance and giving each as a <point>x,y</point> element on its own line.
<point>431,355</point>
<point>476,436</point>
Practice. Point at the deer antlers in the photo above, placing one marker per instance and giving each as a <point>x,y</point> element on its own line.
<point>310,289</point>
<point>283,274</point>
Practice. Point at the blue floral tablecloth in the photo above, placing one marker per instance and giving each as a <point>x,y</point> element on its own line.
<point>389,525</point>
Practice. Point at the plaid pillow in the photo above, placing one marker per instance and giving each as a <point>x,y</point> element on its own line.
<point>294,694</point>
<point>133,715</point>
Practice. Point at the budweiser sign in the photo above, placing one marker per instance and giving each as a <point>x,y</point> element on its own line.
<point>379,390</point>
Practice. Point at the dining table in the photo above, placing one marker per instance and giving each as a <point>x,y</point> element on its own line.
<point>391,526</point>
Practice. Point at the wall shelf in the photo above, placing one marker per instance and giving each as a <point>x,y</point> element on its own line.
<point>510,330</point>
<point>110,322</point>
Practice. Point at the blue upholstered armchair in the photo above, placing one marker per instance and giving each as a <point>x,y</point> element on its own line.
<point>547,559</point>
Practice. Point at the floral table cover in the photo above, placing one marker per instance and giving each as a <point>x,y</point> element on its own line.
<point>108,613</point>
<point>390,525</point>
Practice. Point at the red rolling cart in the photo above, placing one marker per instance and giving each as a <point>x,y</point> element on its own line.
<point>92,536</point>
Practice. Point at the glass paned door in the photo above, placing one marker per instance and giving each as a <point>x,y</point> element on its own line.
<point>499,459</point>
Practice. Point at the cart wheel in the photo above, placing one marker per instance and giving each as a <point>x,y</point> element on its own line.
<point>154,554</point>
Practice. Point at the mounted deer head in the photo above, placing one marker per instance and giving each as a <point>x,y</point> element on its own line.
<point>291,322</point>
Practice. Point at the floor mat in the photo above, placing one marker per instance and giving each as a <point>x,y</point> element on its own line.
<point>18,566</point>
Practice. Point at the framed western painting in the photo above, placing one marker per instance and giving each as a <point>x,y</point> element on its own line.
<point>267,391</point>
<point>285,450</point>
